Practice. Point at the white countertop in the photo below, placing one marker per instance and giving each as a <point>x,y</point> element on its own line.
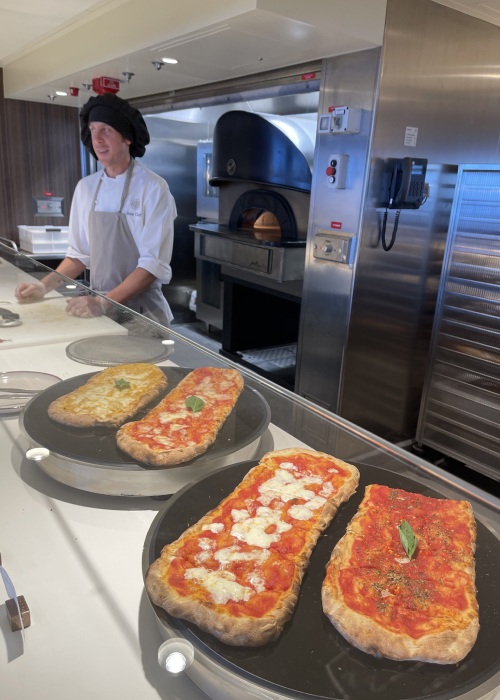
<point>76,557</point>
<point>46,321</point>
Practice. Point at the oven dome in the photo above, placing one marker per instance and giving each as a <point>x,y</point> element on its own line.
<point>249,148</point>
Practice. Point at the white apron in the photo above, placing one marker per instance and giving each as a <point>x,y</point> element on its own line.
<point>114,256</point>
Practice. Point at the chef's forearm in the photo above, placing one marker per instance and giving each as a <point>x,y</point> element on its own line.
<point>136,282</point>
<point>70,267</point>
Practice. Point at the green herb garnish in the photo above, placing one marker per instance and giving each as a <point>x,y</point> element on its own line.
<point>408,539</point>
<point>194,403</point>
<point>122,384</point>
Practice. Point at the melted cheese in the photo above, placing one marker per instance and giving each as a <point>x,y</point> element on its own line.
<point>215,527</point>
<point>285,487</point>
<point>288,465</point>
<point>257,582</point>
<point>327,490</point>
<point>100,396</point>
<point>221,585</point>
<point>305,512</point>
<point>230,554</point>
<point>239,515</point>
<point>205,543</point>
<point>253,530</point>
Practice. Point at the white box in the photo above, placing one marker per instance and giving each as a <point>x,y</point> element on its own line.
<point>43,239</point>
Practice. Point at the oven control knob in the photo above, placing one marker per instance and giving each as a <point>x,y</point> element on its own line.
<point>327,248</point>
<point>330,171</point>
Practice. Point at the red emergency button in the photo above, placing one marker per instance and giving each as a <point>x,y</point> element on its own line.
<point>330,171</point>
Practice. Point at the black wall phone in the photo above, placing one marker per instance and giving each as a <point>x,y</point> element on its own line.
<point>403,188</point>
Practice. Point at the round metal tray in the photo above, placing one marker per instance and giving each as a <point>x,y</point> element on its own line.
<point>89,458</point>
<point>311,659</point>
<point>112,350</point>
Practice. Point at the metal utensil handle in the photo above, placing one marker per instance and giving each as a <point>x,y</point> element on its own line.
<point>11,243</point>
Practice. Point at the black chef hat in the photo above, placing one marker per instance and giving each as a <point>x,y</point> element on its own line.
<point>116,112</point>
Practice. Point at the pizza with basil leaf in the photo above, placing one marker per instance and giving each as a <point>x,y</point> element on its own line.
<point>187,421</point>
<point>236,573</point>
<point>400,583</point>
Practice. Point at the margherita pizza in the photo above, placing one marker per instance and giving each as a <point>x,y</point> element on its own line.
<point>110,397</point>
<point>187,421</point>
<point>418,607</point>
<point>237,572</point>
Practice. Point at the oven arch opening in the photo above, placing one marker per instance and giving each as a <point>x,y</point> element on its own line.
<point>266,213</point>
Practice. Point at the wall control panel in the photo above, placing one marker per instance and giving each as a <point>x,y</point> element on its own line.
<point>345,120</point>
<point>336,171</point>
<point>340,120</point>
<point>48,206</point>
<point>336,247</point>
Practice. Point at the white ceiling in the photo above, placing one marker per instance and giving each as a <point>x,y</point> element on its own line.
<point>250,36</point>
<point>25,22</point>
<point>54,44</point>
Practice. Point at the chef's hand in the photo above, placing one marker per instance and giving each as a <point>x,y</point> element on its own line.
<point>28,292</point>
<point>87,307</point>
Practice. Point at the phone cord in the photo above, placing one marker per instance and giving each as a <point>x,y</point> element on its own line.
<point>394,230</point>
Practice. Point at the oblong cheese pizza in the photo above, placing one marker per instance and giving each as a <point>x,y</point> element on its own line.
<point>413,603</point>
<point>187,421</point>
<point>237,572</point>
<point>110,397</point>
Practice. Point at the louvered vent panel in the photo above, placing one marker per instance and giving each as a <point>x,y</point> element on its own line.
<point>460,412</point>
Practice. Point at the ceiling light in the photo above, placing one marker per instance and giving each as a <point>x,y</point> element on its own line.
<point>51,97</point>
<point>61,93</point>
<point>157,64</point>
<point>128,76</point>
<point>87,86</point>
<point>170,60</point>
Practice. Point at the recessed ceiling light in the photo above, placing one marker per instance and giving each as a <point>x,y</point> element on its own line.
<point>170,60</point>
<point>61,93</point>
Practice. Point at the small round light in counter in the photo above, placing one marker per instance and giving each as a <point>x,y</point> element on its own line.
<point>172,61</point>
<point>61,93</point>
<point>168,342</point>
<point>175,655</point>
<point>36,454</point>
<point>71,286</point>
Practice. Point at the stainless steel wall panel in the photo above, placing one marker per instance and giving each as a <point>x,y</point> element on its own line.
<point>345,80</point>
<point>437,75</point>
<point>172,155</point>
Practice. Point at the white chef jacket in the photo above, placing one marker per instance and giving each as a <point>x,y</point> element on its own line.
<point>150,210</point>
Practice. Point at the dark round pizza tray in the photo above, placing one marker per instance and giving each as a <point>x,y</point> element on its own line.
<point>311,659</point>
<point>97,446</point>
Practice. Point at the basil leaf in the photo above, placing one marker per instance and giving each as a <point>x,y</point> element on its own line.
<point>122,384</point>
<point>194,403</point>
<point>408,539</point>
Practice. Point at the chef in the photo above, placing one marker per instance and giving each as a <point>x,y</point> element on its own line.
<point>121,222</point>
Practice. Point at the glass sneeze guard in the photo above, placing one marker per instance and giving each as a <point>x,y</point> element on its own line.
<point>311,426</point>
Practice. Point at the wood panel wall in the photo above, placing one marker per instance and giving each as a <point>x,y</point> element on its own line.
<point>39,152</point>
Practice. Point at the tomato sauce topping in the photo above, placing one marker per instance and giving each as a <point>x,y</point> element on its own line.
<point>173,425</point>
<point>277,569</point>
<point>420,595</point>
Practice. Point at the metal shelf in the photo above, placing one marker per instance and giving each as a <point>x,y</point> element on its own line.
<point>460,411</point>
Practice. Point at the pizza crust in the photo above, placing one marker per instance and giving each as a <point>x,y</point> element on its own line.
<point>171,457</point>
<point>87,420</point>
<point>446,647</point>
<point>249,632</point>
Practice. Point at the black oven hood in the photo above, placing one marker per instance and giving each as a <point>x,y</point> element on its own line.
<point>249,148</point>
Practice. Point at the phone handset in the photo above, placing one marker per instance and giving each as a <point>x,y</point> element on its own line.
<point>404,190</point>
